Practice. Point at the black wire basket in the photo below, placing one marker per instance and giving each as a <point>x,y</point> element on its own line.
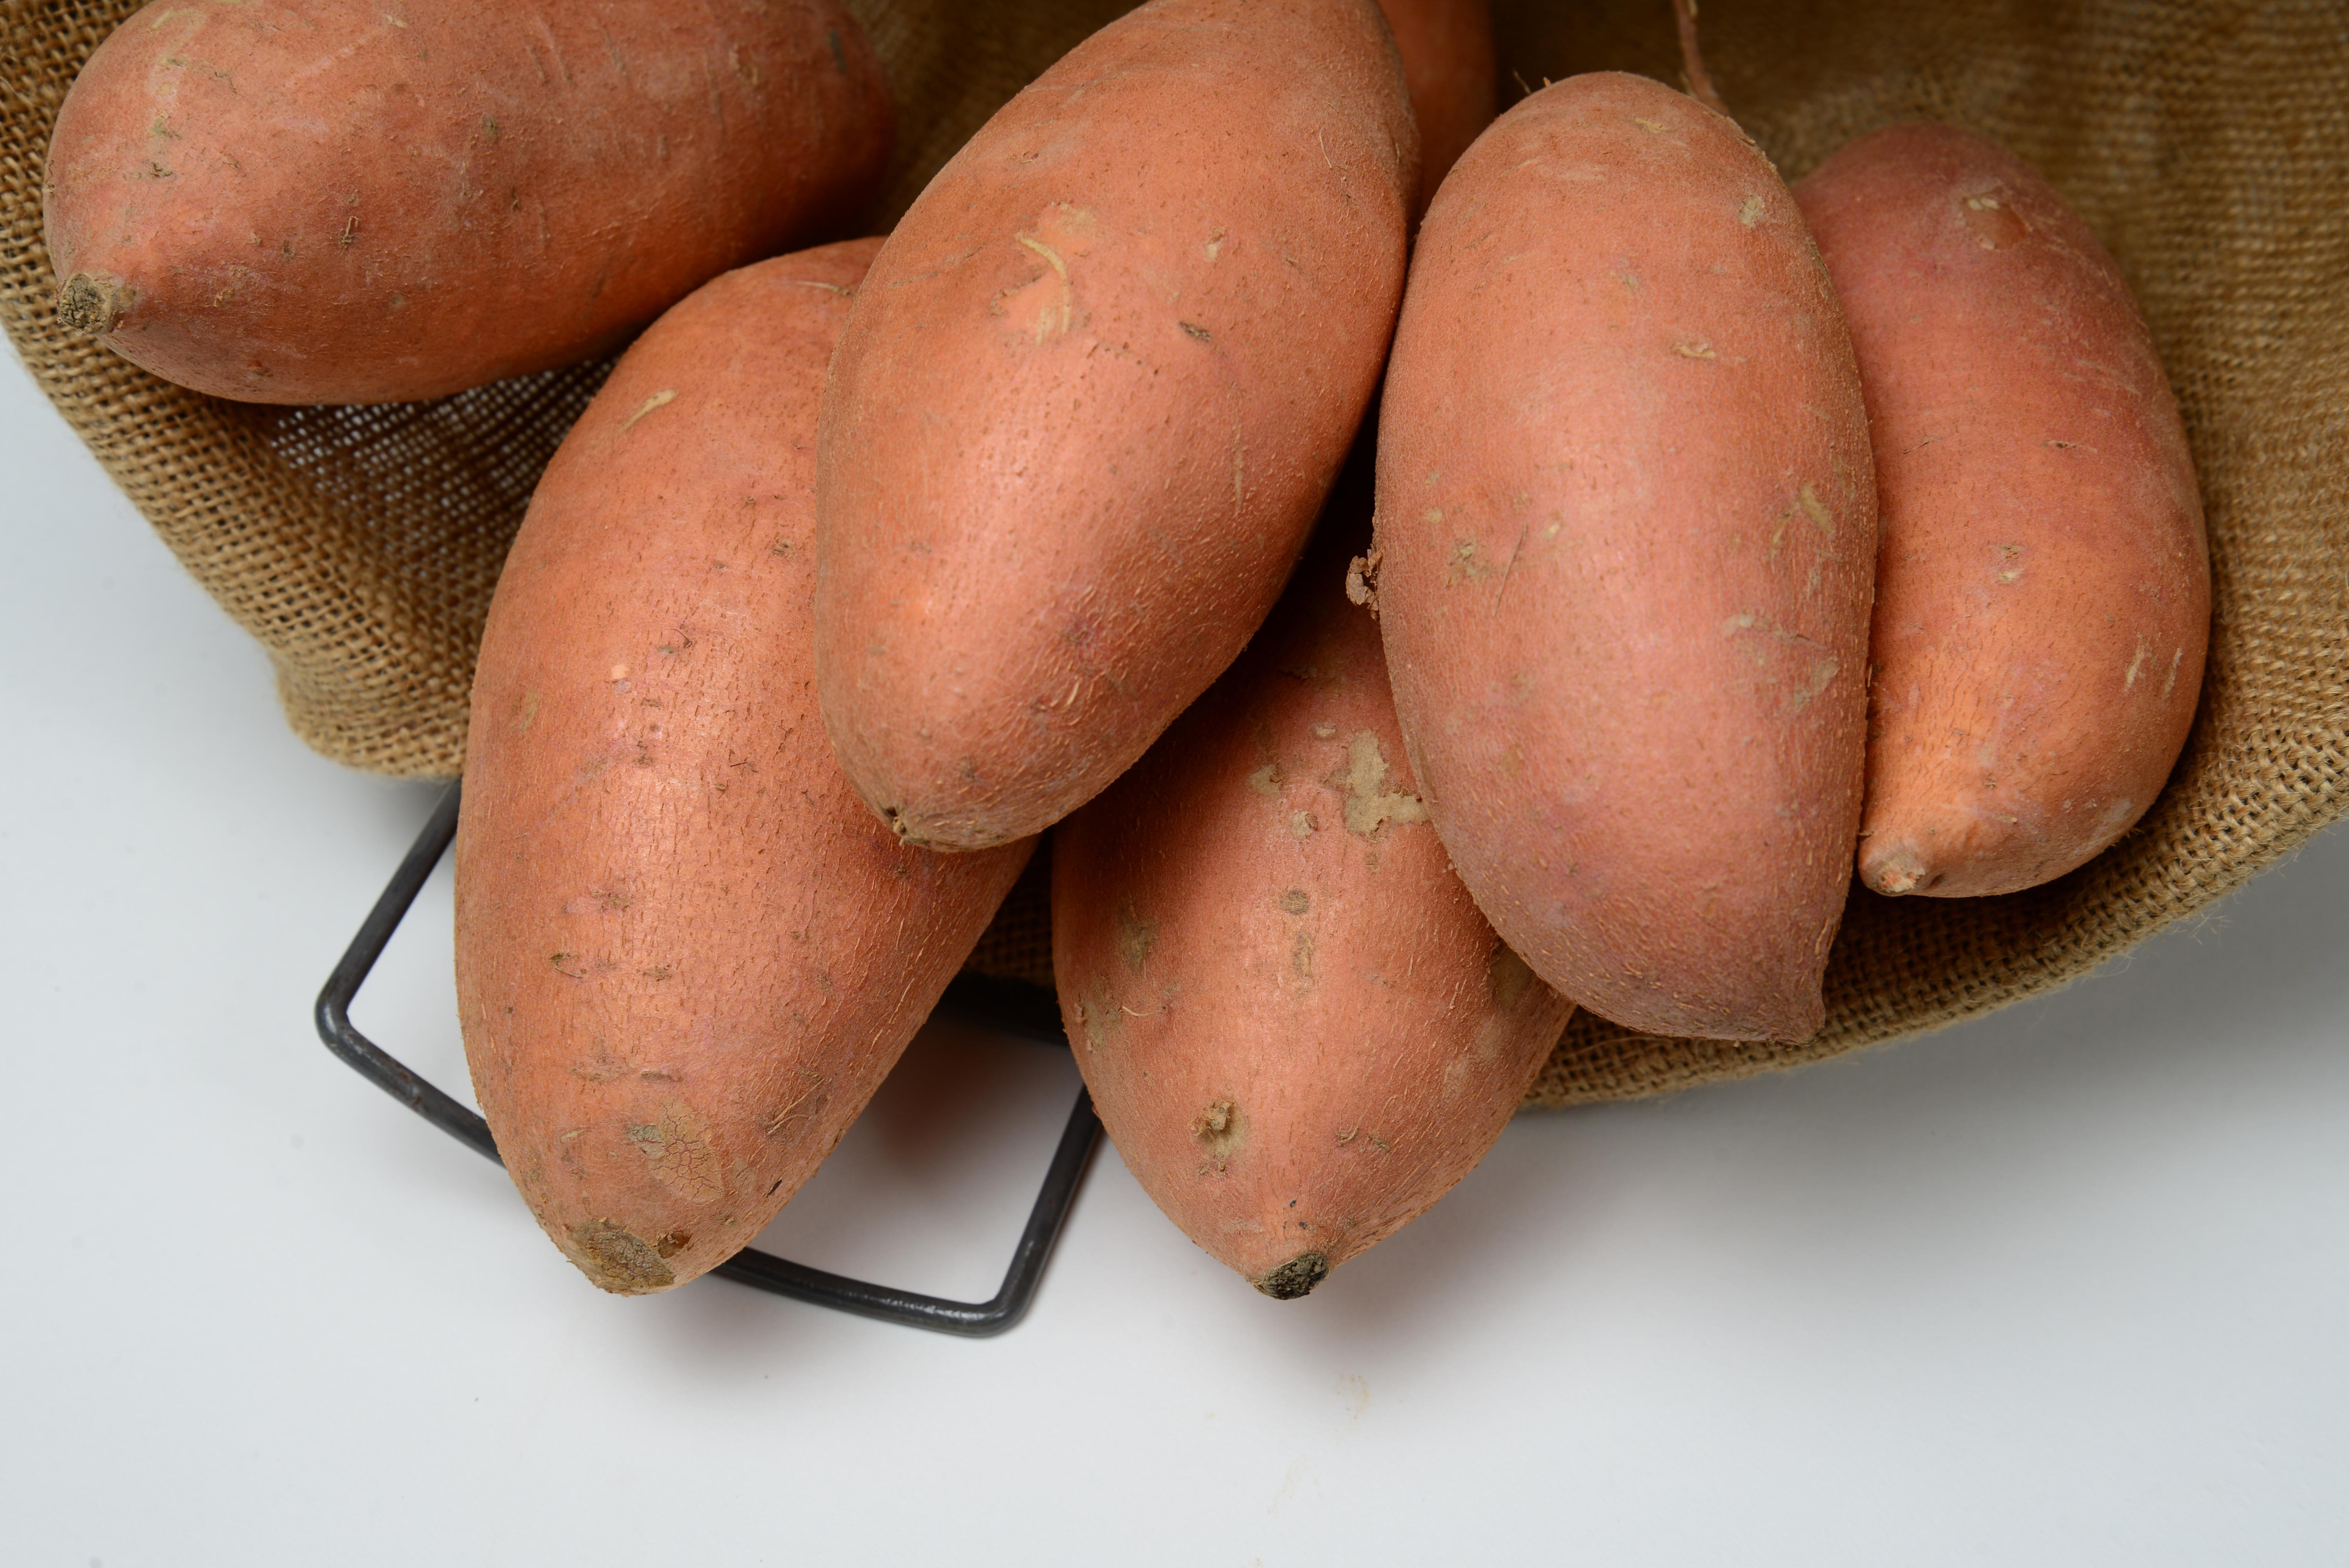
<point>1014,1008</point>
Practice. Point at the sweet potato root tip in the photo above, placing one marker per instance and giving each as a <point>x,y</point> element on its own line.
<point>618,1260</point>
<point>92,307</point>
<point>1294,1278</point>
<point>1893,869</point>
<point>1700,80</point>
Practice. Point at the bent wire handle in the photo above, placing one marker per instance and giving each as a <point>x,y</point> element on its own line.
<point>1002,1004</point>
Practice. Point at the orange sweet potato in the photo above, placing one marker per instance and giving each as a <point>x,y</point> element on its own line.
<point>1447,57</point>
<point>1092,397</point>
<point>686,952</point>
<point>2042,594</point>
<point>1626,536</point>
<point>1295,1025</point>
<point>347,202</point>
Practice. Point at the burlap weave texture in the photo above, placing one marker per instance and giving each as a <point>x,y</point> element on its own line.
<point>2207,144</point>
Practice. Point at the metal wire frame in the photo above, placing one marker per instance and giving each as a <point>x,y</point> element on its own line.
<point>1008,1005</point>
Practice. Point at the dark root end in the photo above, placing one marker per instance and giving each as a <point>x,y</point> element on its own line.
<point>897,822</point>
<point>94,306</point>
<point>622,1261</point>
<point>1294,1278</point>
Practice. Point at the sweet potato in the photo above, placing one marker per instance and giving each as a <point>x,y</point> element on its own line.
<point>346,202</point>
<point>1626,538</point>
<point>1447,57</point>
<point>2043,594</point>
<point>1295,1025</point>
<point>1092,397</point>
<point>686,952</point>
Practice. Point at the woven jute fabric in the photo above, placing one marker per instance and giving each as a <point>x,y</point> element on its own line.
<point>2207,144</point>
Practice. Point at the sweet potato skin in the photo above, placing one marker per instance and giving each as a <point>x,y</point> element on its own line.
<point>346,202</point>
<point>1627,537</point>
<point>1296,1026</point>
<point>2042,598</point>
<point>1091,398</point>
<point>686,952</point>
<point>1447,57</point>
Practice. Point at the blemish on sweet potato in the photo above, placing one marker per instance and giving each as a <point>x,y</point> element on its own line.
<point>1135,937</point>
<point>618,1260</point>
<point>1219,1131</point>
<point>660,399</point>
<point>1100,1018</point>
<point>1294,1278</point>
<point>1994,225</point>
<point>678,1149</point>
<point>1823,673</point>
<point>1369,804</point>
<point>1815,509</point>
<point>1362,581</point>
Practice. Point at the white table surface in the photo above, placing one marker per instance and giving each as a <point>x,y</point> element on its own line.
<point>2067,1285</point>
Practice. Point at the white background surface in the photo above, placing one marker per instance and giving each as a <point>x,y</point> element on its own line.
<point>2063,1286</point>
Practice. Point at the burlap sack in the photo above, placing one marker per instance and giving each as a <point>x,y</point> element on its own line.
<point>2206,144</point>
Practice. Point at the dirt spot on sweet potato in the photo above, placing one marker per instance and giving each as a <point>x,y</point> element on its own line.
<point>1815,509</point>
<point>1221,1133</point>
<point>1369,804</point>
<point>618,1260</point>
<point>1136,936</point>
<point>1822,675</point>
<point>1295,902</point>
<point>1100,1017</point>
<point>1363,580</point>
